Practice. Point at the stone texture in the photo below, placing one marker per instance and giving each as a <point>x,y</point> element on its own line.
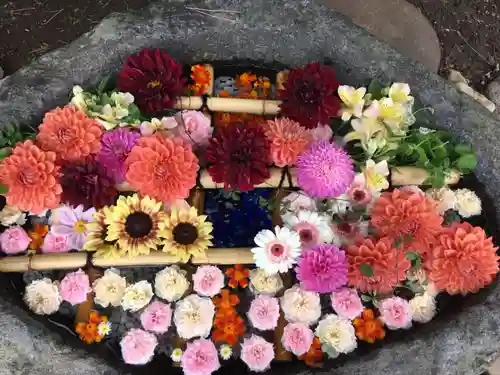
<point>493,91</point>
<point>495,369</point>
<point>293,32</point>
<point>397,23</point>
<point>462,84</point>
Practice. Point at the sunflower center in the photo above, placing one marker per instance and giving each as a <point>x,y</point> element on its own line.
<point>80,226</point>
<point>185,234</point>
<point>154,84</point>
<point>138,224</point>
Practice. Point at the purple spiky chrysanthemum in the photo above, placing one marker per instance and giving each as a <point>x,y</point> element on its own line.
<point>323,269</point>
<point>324,170</point>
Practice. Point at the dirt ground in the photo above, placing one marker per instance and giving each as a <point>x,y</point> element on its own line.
<point>469,30</point>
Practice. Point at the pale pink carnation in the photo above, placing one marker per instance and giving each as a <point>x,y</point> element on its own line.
<point>53,243</point>
<point>257,353</point>
<point>14,240</point>
<point>264,312</point>
<point>208,281</point>
<point>138,347</point>
<point>193,127</point>
<point>346,303</point>
<point>74,287</point>
<point>297,338</point>
<point>396,313</point>
<point>321,133</point>
<point>200,358</point>
<point>157,317</point>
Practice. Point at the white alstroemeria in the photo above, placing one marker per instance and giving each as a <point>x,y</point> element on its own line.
<point>388,112</point>
<point>376,175</point>
<point>353,101</point>
<point>151,127</point>
<point>400,93</point>
<point>78,99</point>
<point>364,129</point>
<point>122,99</point>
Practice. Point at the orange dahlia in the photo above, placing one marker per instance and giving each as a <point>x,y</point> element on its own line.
<point>368,328</point>
<point>288,140</point>
<point>406,214</point>
<point>388,265</point>
<point>32,178</point>
<point>163,168</point>
<point>463,260</point>
<point>70,134</point>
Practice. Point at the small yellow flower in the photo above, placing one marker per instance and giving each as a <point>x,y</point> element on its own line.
<point>176,355</point>
<point>387,112</point>
<point>364,129</point>
<point>353,101</point>
<point>376,175</point>
<point>400,93</point>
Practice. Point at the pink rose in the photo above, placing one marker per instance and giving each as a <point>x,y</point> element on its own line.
<point>208,281</point>
<point>194,127</point>
<point>396,313</point>
<point>138,347</point>
<point>14,240</point>
<point>157,317</point>
<point>54,243</point>
<point>257,353</point>
<point>321,133</point>
<point>297,338</point>
<point>74,287</point>
<point>200,358</point>
<point>264,312</point>
<point>346,303</point>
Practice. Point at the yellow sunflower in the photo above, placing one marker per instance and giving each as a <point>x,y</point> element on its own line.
<point>134,224</point>
<point>186,233</point>
<point>96,236</point>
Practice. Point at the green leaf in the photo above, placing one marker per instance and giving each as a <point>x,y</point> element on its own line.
<point>366,270</point>
<point>466,162</point>
<point>102,85</point>
<point>4,152</point>
<point>3,189</point>
<point>450,217</point>
<point>412,256</point>
<point>366,298</point>
<point>462,149</point>
<point>375,89</point>
<point>446,163</point>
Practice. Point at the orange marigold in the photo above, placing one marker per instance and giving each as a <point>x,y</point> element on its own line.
<point>288,140</point>
<point>226,300</point>
<point>463,260</point>
<point>37,236</point>
<point>228,328</point>
<point>368,328</point>
<point>201,75</point>
<point>238,276</point>
<point>314,357</point>
<point>32,178</point>
<point>407,214</point>
<point>163,168</point>
<point>387,262</point>
<point>88,332</point>
<point>70,134</point>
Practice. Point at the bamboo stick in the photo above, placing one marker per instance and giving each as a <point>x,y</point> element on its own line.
<point>62,261</point>
<point>416,176</point>
<point>152,259</point>
<point>85,308</point>
<point>225,256</point>
<point>233,105</point>
<point>281,354</point>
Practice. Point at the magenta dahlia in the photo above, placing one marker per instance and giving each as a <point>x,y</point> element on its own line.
<point>310,95</point>
<point>322,269</point>
<point>154,78</point>
<point>324,170</point>
<point>239,156</point>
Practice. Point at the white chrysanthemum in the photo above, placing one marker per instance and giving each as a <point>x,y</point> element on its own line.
<point>176,355</point>
<point>467,203</point>
<point>42,296</point>
<point>276,252</point>
<point>171,283</point>
<point>444,197</point>
<point>301,306</point>
<point>226,352</point>
<point>336,334</point>
<point>110,288</point>
<point>137,296</point>
<point>312,228</point>
<point>193,316</point>
<point>263,283</point>
<point>11,215</point>
<point>423,308</point>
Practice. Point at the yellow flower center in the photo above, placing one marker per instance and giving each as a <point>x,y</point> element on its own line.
<point>373,179</point>
<point>80,226</point>
<point>154,84</point>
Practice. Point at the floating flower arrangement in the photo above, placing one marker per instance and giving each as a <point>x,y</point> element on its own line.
<point>303,227</point>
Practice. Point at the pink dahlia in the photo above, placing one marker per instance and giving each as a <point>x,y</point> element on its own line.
<point>322,269</point>
<point>257,353</point>
<point>325,170</point>
<point>200,358</point>
<point>264,312</point>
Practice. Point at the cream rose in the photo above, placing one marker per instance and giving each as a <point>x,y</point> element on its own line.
<point>468,203</point>
<point>444,197</point>
<point>423,308</point>
<point>137,296</point>
<point>301,306</point>
<point>193,316</point>
<point>171,283</point>
<point>262,283</point>
<point>336,334</point>
<point>110,288</point>
<point>42,296</point>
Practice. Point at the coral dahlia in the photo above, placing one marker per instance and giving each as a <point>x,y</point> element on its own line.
<point>163,168</point>
<point>310,95</point>
<point>463,260</point>
<point>32,178</point>
<point>70,134</point>
<point>239,156</point>
<point>154,78</point>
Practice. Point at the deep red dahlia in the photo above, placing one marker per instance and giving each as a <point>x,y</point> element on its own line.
<point>310,95</point>
<point>154,78</point>
<point>87,183</point>
<point>239,156</point>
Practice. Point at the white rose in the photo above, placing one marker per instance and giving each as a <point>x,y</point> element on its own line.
<point>262,283</point>
<point>137,296</point>
<point>110,288</point>
<point>444,197</point>
<point>42,296</point>
<point>193,316</point>
<point>171,283</point>
<point>423,308</point>
<point>468,203</point>
<point>301,306</point>
<point>11,215</point>
<point>336,333</point>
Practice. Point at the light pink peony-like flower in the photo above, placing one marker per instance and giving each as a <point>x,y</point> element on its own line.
<point>297,338</point>
<point>264,312</point>
<point>53,243</point>
<point>193,127</point>
<point>74,287</point>
<point>138,347</point>
<point>157,317</point>
<point>208,281</point>
<point>14,240</point>
<point>346,303</point>
<point>321,133</point>
<point>257,353</point>
<point>396,313</point>
<point>200,358</point>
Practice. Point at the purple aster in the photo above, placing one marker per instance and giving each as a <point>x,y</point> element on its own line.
<point>324,170</point>
<point>322,269</point>
<point>115,147</point>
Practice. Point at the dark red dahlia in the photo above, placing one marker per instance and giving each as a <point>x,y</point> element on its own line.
<point>154,78</point>
<point>310,95</point>
<point>87,183</point>
<point>239,156</point>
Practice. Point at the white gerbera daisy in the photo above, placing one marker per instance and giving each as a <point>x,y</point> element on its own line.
<point>313,228</point>
<point>276,252</point>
